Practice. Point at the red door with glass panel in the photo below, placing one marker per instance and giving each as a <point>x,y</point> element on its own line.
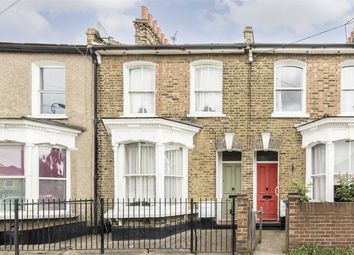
<point>267,194</point>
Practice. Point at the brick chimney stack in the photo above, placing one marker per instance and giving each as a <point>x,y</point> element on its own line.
<point>350,39</point>
<point>248,35</point>
<point>93,36</point>
<point>147,31</point>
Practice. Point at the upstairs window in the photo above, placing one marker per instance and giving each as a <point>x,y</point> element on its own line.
<point>347,88</point>
<point>290,84</point>
<point>206,88</point>
<point>139,88</point>
<point>48,82</point>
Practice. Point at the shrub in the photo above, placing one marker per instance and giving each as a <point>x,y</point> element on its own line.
<point>318,250</point>
<point>345,189</point>
<point>302,189</point>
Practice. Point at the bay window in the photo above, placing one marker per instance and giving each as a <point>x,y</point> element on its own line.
<point>140,171</point>
<point>173,171</point>
<point>206,88</point>
<point>347,88</point>
<point>139,87</point>
<point>318,174</point>
<point>12,173</point>
<point>52,173</point>
<point>289,89</point>
<point>150,158</point>
<point>343,158</point>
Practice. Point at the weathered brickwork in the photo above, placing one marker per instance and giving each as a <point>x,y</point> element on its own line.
<point>247,120</point>
<point>325,224</point>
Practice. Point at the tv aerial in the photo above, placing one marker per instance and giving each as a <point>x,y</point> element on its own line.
<point>174,38</point>
<point>102,30</point>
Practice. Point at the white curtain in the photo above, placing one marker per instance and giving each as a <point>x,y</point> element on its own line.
<point>173,172</point>
<point>141,90</point>
<point>140,170</point>
<point>319,172</point>
<point>208,87</point>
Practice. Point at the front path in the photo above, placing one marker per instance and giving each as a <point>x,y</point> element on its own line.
<point>273,243</point>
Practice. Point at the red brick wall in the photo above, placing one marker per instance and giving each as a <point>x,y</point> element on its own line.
<point>326,224</point>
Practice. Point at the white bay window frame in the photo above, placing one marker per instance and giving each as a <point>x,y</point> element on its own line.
<point>278,65</point>
<point>205,63</point>
<point>160,132</point>
<point>346,86</point>
<point>326,131</point>
<point>33,135</point>
<point>127,100</point>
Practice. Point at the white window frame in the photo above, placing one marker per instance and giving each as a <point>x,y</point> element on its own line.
<point>67,167</point>
<point>176,177</point>
<point>36,89</point>
<point>344,64</point>
<point>313,175</point>
<point>126,98</point>
<point>126,175</point>
<point>22,177</point>
<point>290,114</point>
<point>193,66</point>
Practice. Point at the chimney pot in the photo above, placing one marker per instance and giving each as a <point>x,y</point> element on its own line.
<point>166,41</point>
<point>154,26</point>
<point>162,37</point>
<point>150,19</point>
<point>144,12</point>
<point>248,35</point>
<point>158,32</point>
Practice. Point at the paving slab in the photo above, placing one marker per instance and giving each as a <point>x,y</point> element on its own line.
<point>273,243</point>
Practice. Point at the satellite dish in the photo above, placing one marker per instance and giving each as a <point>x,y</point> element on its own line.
<point>101,29</point>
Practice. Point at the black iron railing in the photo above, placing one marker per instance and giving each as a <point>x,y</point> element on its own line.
<point>204,225</point>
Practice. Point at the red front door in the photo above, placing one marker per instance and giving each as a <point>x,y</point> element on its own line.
<point>267,183</point>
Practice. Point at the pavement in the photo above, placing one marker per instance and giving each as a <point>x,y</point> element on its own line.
<point>273,243</point>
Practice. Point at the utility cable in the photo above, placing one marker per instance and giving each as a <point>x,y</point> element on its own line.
<point>9,7</point>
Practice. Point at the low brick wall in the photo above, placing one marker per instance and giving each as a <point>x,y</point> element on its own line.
<point>242,208</point>
<point>323,223</point>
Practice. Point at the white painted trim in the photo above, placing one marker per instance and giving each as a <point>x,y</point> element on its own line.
<point>329,171</point>
<point>32,132</point>
<point>328,129</point>
<point>49,116</point>
<point>193,66</point>
<point>36,102</point>
<point>153,130</point>
<point>346,63</point>
<point>290,115</point>
<point>126,99</point>
<point>292,63</point>
<point>308,172</point>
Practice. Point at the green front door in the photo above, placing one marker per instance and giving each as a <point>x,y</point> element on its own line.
<point>231,181</point>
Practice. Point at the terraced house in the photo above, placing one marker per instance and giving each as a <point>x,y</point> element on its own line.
<point>46,123</point>
<point>210,120</point>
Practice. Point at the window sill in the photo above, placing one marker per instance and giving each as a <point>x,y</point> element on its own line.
<point>206,115</point>
<point>148,115</point>
<point>347,114</point>
<point>290,115</point>
<point>49,116</point>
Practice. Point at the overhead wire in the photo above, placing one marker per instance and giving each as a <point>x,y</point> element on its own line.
<point>311,36</point>
<point>9,6</point>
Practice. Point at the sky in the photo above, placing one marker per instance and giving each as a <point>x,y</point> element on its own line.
<point>196,21</point>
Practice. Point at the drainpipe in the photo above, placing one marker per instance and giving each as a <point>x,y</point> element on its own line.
<point>95,120</point>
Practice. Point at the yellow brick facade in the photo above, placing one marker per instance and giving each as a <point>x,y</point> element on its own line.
<point>248,105</point>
